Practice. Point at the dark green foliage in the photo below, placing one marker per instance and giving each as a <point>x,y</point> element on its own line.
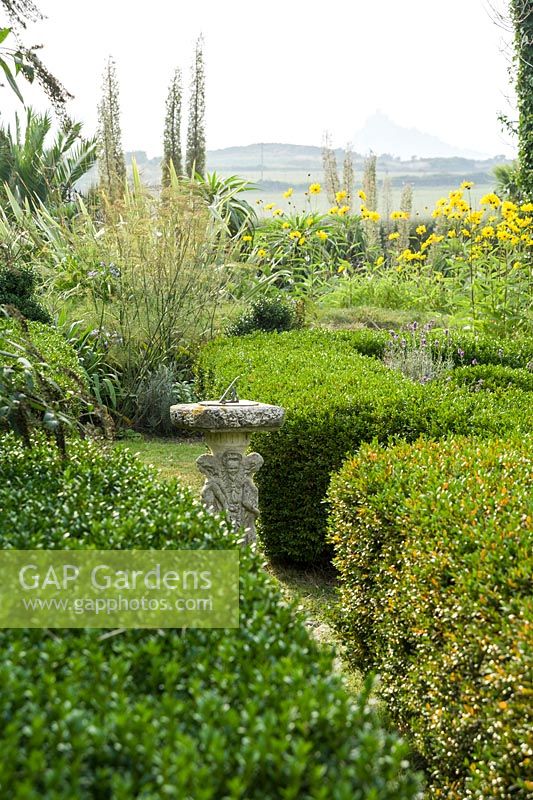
<point>335,400</point>
<point>432,543</point>
<point>522,17</point>
<point>491,378</point>
<point>17,288</point>
<point>41,382</point>
<point>253,712</point>
<point>266,314</point>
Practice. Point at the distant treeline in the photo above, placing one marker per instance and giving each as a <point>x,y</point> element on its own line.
<point>397,181</point>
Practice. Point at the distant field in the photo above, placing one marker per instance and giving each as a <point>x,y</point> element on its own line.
<point>424,198</point>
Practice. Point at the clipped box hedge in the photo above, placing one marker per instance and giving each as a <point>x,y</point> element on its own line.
<point>433,546</point>
<point>464,347</point>
<point>491,378</point>
<point>253,712</point>
<point>336,399</point>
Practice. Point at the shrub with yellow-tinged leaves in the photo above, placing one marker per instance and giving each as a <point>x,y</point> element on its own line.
<point>432,543</point>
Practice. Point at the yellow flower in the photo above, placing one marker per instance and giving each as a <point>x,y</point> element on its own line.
<point>487,232</point>
<point>295,234</point>
<point>526,207</point>
<point>509,209</point>
<point>467,185</point>
<point>301,240</point>
<point>394,235</point>
<point>322,235</point>
<point>315,188</point>
<point>340,196</point>
<point>247,238</point>
<point>399,215</point>
<point>517,265</point>
<point>334,210</point>
<point>465,232</point>
<point>452,234</point>
<point>490,199</point>
<point>286,225</point>
<point>288,193</point>
<point>475,217</point>
<point>261,253</point>
<point>380,261</point>
<point>343,210</point>
<point>278,212</point>
<point>361,195</point>
<point>269,206</point>
<point>421,230</point>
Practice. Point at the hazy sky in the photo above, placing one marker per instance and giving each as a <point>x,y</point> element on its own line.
<point>286,70</point>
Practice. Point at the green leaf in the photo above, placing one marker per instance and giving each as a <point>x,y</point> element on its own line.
<point>11,79</point>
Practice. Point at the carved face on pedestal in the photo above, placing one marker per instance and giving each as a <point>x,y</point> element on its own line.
<point>232,464</point>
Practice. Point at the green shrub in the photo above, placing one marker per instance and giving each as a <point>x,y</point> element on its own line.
<point>491,378</point>
<point>464,348</point>
<point>335,400</point>
<point>41,381</point>
<point>266,314</point>
<point>17,289</point>
<point>432,543</point>
<point>252,712</point>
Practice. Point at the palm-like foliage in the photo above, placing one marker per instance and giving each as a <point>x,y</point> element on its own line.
<point>38,174</point>
<point>225,202</point>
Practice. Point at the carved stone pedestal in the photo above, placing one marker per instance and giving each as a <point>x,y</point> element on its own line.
<point>227,428</point>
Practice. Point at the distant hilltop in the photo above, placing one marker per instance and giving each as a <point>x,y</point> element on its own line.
<point>382,135</point>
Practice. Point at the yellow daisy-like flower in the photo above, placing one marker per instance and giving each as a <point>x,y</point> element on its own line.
<point>361,195</point>
<point>339,196</point>
<point>261,253</point>
<point>467,184</point>
<point>286,225</point>
<point>301,240</point>
<point>465,232</point>
<point>526,207</point>
<point>394,235</point>
<point>278,212</point>
<point>288,193</point>
<point>315,188</point>
<point>295,234</point>
<point>322,235</point>
<point>490,199</point>
<point>343,210</point>
<point>487,232</point>
<point>247,238</point>
<point>421,230</point>
<point>334,210</point>
<point>452,234</point>
<point>380,261</point>
<point>517,265</point>
<point>399,215</point>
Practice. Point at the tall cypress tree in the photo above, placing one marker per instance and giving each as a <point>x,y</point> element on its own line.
<point>111,161</point>
<point>522,18</point>
<point>172,134</point>
<point>195,156</point>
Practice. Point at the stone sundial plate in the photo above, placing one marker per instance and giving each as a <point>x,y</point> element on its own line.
<point>229,404</point>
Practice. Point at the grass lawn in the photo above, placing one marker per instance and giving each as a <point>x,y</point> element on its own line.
<point>313,590</point>
<point>173,458</point>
